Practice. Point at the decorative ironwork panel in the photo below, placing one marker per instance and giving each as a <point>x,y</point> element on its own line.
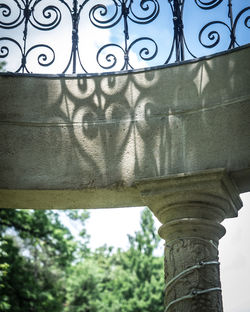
<point>86,36</point>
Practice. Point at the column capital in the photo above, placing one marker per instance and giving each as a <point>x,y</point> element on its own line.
<point>205,198</point>
<point>214,185</point>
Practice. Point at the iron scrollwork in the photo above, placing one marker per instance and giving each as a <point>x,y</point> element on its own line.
<point>213,35</point>
<point>125,10</point>
<point>6,12</point>
<point>208,4</point>
<point>28,16</point>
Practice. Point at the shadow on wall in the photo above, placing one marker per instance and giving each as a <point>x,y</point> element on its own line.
<point>110,130</point>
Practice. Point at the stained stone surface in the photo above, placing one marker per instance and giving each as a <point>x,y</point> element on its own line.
<point>186,253</point>
<point>65,138</point>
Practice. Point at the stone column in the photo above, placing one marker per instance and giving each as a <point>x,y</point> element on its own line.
<point>191,208</point>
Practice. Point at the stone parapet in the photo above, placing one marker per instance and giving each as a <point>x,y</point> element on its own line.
<point>75,135</point>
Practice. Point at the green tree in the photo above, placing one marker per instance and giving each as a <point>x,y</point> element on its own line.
<point>2,66</point>
<point>38,250</point>
<point>145,269</point>
<point>4,300</point>
<point>43,268</point>
<point>127,281</point>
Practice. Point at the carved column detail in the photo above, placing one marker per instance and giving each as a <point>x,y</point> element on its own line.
<point>191,208</point>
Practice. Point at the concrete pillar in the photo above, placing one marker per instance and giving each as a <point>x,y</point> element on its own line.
<point>191,208</point>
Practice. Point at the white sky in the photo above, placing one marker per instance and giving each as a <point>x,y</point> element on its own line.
<point>111,226</point>
<point>235,261</point>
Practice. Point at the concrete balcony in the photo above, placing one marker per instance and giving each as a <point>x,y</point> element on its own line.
<point>83,141</point>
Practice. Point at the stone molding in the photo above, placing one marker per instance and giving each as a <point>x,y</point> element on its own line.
<point>213,188</point>
<point>192,204</point>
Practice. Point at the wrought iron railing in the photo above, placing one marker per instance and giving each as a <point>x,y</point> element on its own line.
<point>60,36</point>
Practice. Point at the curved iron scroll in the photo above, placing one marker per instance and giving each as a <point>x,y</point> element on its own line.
<point>25,19</point>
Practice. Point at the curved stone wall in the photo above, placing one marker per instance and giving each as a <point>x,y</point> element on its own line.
<point>82,142</point>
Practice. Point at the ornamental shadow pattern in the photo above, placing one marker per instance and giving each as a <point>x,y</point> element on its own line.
<point>111,130</point>
<point>86,36</point>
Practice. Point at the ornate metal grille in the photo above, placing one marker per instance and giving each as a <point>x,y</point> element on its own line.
<point>60,35</point>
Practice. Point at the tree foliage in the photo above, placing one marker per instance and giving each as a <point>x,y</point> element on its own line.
<point>2,65</point>
<point>44,268</point>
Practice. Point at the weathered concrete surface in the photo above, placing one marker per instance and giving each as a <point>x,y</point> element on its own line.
<point>73,136</point>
